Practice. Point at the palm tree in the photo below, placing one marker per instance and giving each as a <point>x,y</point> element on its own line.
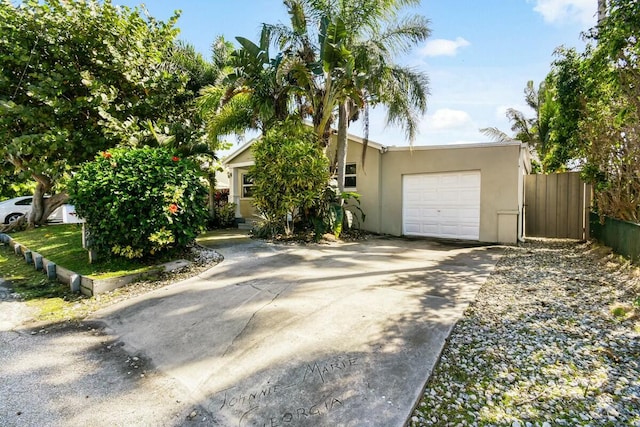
<point>535,131</point>
<point>254,93</point>
<point>335,62</point>
<point>351,67</point>
<point>225,104</point>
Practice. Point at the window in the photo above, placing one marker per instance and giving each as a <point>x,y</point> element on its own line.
<point>247,186</point>
<point>24,202</point>
<point>350,175</point>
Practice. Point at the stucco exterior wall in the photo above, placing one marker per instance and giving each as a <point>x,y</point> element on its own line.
<point>499,166</point>
<point>367,184</point>
<point>245,204</point>
<point>367,181</point>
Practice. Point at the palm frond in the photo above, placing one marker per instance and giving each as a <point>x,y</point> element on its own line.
<point>496,134</point>
<point>209,100</point>
<point>403,35</point>
<point>531,96</point>
<point>234,117</point>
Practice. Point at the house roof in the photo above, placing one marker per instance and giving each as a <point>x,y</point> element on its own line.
<point>453,146</point>
<point>384,148</point>
<point>248,144</point>
<point>239,151</point>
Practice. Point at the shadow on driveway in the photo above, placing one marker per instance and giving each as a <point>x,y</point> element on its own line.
<point>341,334</point>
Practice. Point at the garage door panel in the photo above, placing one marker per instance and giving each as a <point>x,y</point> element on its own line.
<point>426,180</point>
<point>413,183</point>
<point>427,230</point>
<point>428,213</point>
<point>414,215</point>
<point>442,205</point>
<point>466,196</point>
<point>449,180</point>
<point>414,202</point>
<point>429,199</point>
<point>448,215</point>
<point>469,230</point>
<point>449,229</point>
<point>448,196</point>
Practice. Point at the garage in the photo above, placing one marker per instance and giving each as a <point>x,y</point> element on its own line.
<point>445,205</point>
<point>471,192</point>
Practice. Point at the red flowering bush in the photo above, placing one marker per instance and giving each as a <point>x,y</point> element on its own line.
<point>139,202</point>
<point>223,214</point>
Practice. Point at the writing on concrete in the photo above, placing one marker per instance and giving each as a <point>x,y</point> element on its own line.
<point>249,399</point>
<point>281,403</point>
<point>324,370</point>
<point>299,414</point>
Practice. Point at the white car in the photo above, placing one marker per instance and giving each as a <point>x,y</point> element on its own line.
<point>12,209</point>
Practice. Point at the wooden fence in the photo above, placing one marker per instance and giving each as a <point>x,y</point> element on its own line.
<point>557,206</point>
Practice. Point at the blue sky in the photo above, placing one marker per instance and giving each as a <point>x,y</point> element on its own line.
<point>479,57</point>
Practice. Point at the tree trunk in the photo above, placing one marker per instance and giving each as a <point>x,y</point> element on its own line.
<point>343,127</point>
<point>37,206</point>
<point>41,208</point>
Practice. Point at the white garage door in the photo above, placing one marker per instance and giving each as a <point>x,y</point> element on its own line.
<point>442,205</point>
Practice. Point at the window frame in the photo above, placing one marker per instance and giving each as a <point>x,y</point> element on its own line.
<point>353,175</point>
<point>247,185</point>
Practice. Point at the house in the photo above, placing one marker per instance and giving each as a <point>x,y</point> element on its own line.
<point>470,192</point>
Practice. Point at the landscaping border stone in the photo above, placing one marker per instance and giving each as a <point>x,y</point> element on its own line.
<point>84,284</point>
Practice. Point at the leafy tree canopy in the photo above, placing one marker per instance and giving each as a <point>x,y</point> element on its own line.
<point>78,77</point>
<point>588,112</point>
<point>610,124</point>
<point>332,64</point>
<point>289,175</point>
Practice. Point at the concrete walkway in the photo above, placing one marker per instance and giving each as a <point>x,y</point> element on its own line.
<point>322,335</point>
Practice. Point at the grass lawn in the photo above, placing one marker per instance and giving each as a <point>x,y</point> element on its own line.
<point>50,298</point>
<point>62,244</point>
<point>25,279</point>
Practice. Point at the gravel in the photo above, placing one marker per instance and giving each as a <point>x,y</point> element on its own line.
<point>552,339</point>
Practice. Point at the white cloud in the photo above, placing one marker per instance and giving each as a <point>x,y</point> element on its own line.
<point>443,47</point>
<point>559,11</point>
<point>447,118</point>
<point>501,111</point>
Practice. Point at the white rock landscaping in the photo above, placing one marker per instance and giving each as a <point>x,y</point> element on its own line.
<point>543,345</point>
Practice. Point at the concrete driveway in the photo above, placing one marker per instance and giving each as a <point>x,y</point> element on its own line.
<point>322,335</point>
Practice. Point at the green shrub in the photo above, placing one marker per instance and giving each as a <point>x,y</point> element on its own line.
<point>265,228</point>
<point>226,215</point>
<point>138,202</point>
<point>222,213</point>
<point>334,211</point>
<point>289,174</point>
